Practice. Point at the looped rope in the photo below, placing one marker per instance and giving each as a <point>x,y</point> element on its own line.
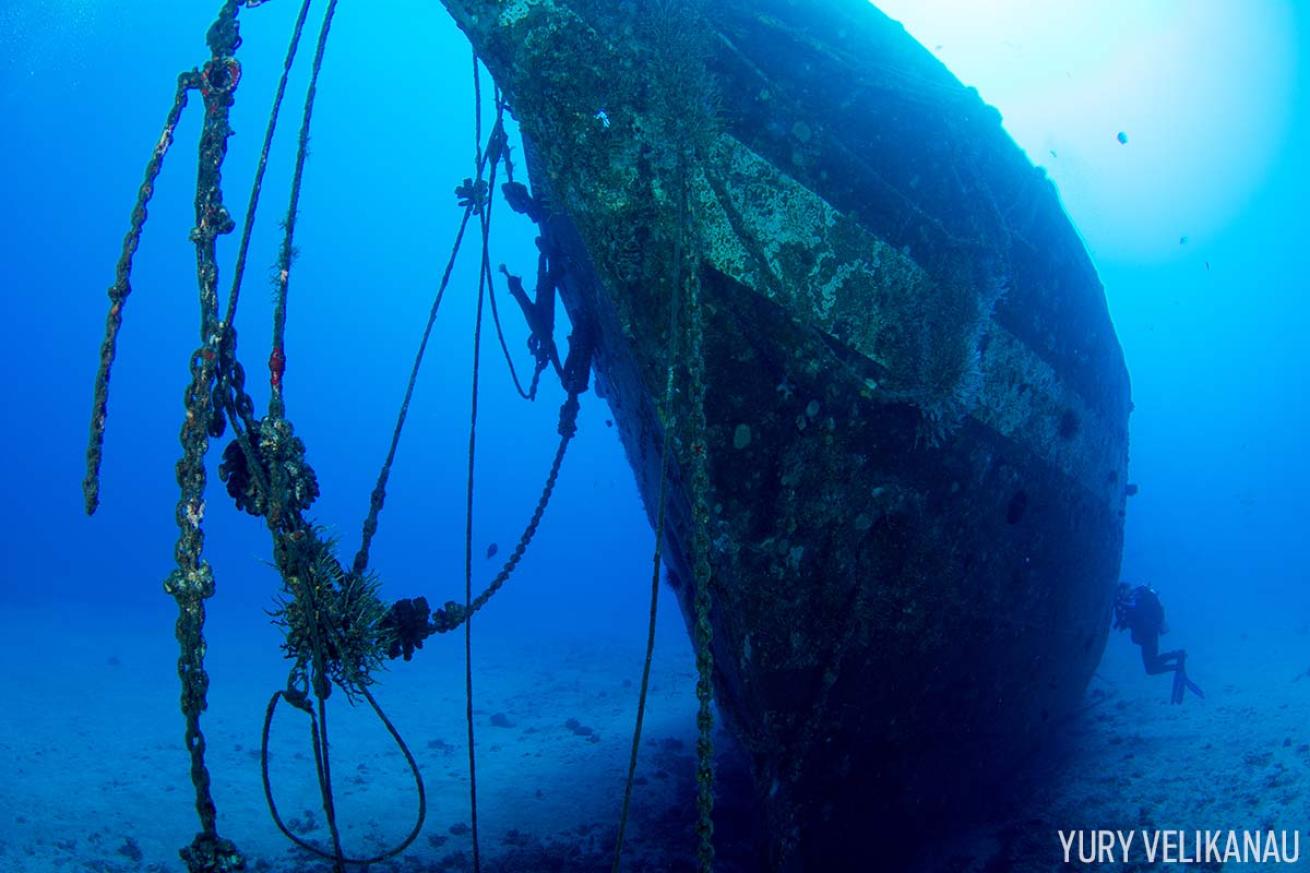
<point>279,483</point>
<point>331,621</point>
<point>300,700</point>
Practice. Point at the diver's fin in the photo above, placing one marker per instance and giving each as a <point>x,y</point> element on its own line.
<point>1193,687</point>
<point>1179,687</point>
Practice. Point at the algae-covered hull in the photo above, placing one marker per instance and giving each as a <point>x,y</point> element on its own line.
<point>916,405</point>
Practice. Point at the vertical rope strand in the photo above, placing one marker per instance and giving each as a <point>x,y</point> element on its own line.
<point>248,226</point>
<point>500,335</point>
<point>379,495</point>
<point>324,762</point>
<point>122,289</point>
<point>484,216</point>
<point>703,635</point>
<point>277,357</point>
<point>670,389</point>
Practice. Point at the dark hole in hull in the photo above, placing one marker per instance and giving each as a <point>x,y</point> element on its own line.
<point>1018,506</point>
<point>1068,424</point>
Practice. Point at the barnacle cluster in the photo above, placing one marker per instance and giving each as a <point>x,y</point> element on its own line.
<point>276,449</point>
<point>406,626</point>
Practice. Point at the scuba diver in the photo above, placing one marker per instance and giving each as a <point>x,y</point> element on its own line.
<point>1140,611</point>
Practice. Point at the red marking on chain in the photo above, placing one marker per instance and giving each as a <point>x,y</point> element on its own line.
<point>234,71</point>
<point>277,365</point>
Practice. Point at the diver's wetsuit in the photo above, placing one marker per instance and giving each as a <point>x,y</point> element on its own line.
<point>1146,622</point>
<point>1142,613</point>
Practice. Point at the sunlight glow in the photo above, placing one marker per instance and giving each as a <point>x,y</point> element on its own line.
<point>1200,89</point>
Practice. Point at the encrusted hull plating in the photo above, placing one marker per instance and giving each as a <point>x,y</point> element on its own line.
<point>916,404</point>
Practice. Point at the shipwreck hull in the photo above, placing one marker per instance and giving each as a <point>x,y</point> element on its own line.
<point>916,405</point>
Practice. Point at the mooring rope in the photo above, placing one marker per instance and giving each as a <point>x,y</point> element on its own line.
<point>298,699</point>
<point>192,582</point>
<point>703,635</point>
<point>122,289</point>
<point>282,484</point>
<point>378,498</point>
<point>448,619</point>
<point>323,763</point>
<point>248,226</point>
<point>670,391</point>
<point>484,216</point>
<point>531,393</point>
<point>497,151</point>
<point>277,357</point>
<point>281,522</point>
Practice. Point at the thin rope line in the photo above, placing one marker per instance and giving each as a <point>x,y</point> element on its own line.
<point>670,389</point>
<point>650,636</point>
<point>277,358</point>
<point>500,335</point>
<point>484,217</point>
<point>379,495</point>
<point>322,757</point>
<point>122,289</point>
<point>247,228</point>
<point>268,782</point>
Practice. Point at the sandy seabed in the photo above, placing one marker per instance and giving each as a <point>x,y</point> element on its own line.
<point>93,776</point>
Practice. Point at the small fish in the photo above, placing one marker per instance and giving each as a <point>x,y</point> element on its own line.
<point>1207,266</point>
<point>1123,138</point>
<point>491,551</point>
<point>1182,240</point>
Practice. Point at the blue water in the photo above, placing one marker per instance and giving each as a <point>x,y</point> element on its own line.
<point>1213,331</point>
